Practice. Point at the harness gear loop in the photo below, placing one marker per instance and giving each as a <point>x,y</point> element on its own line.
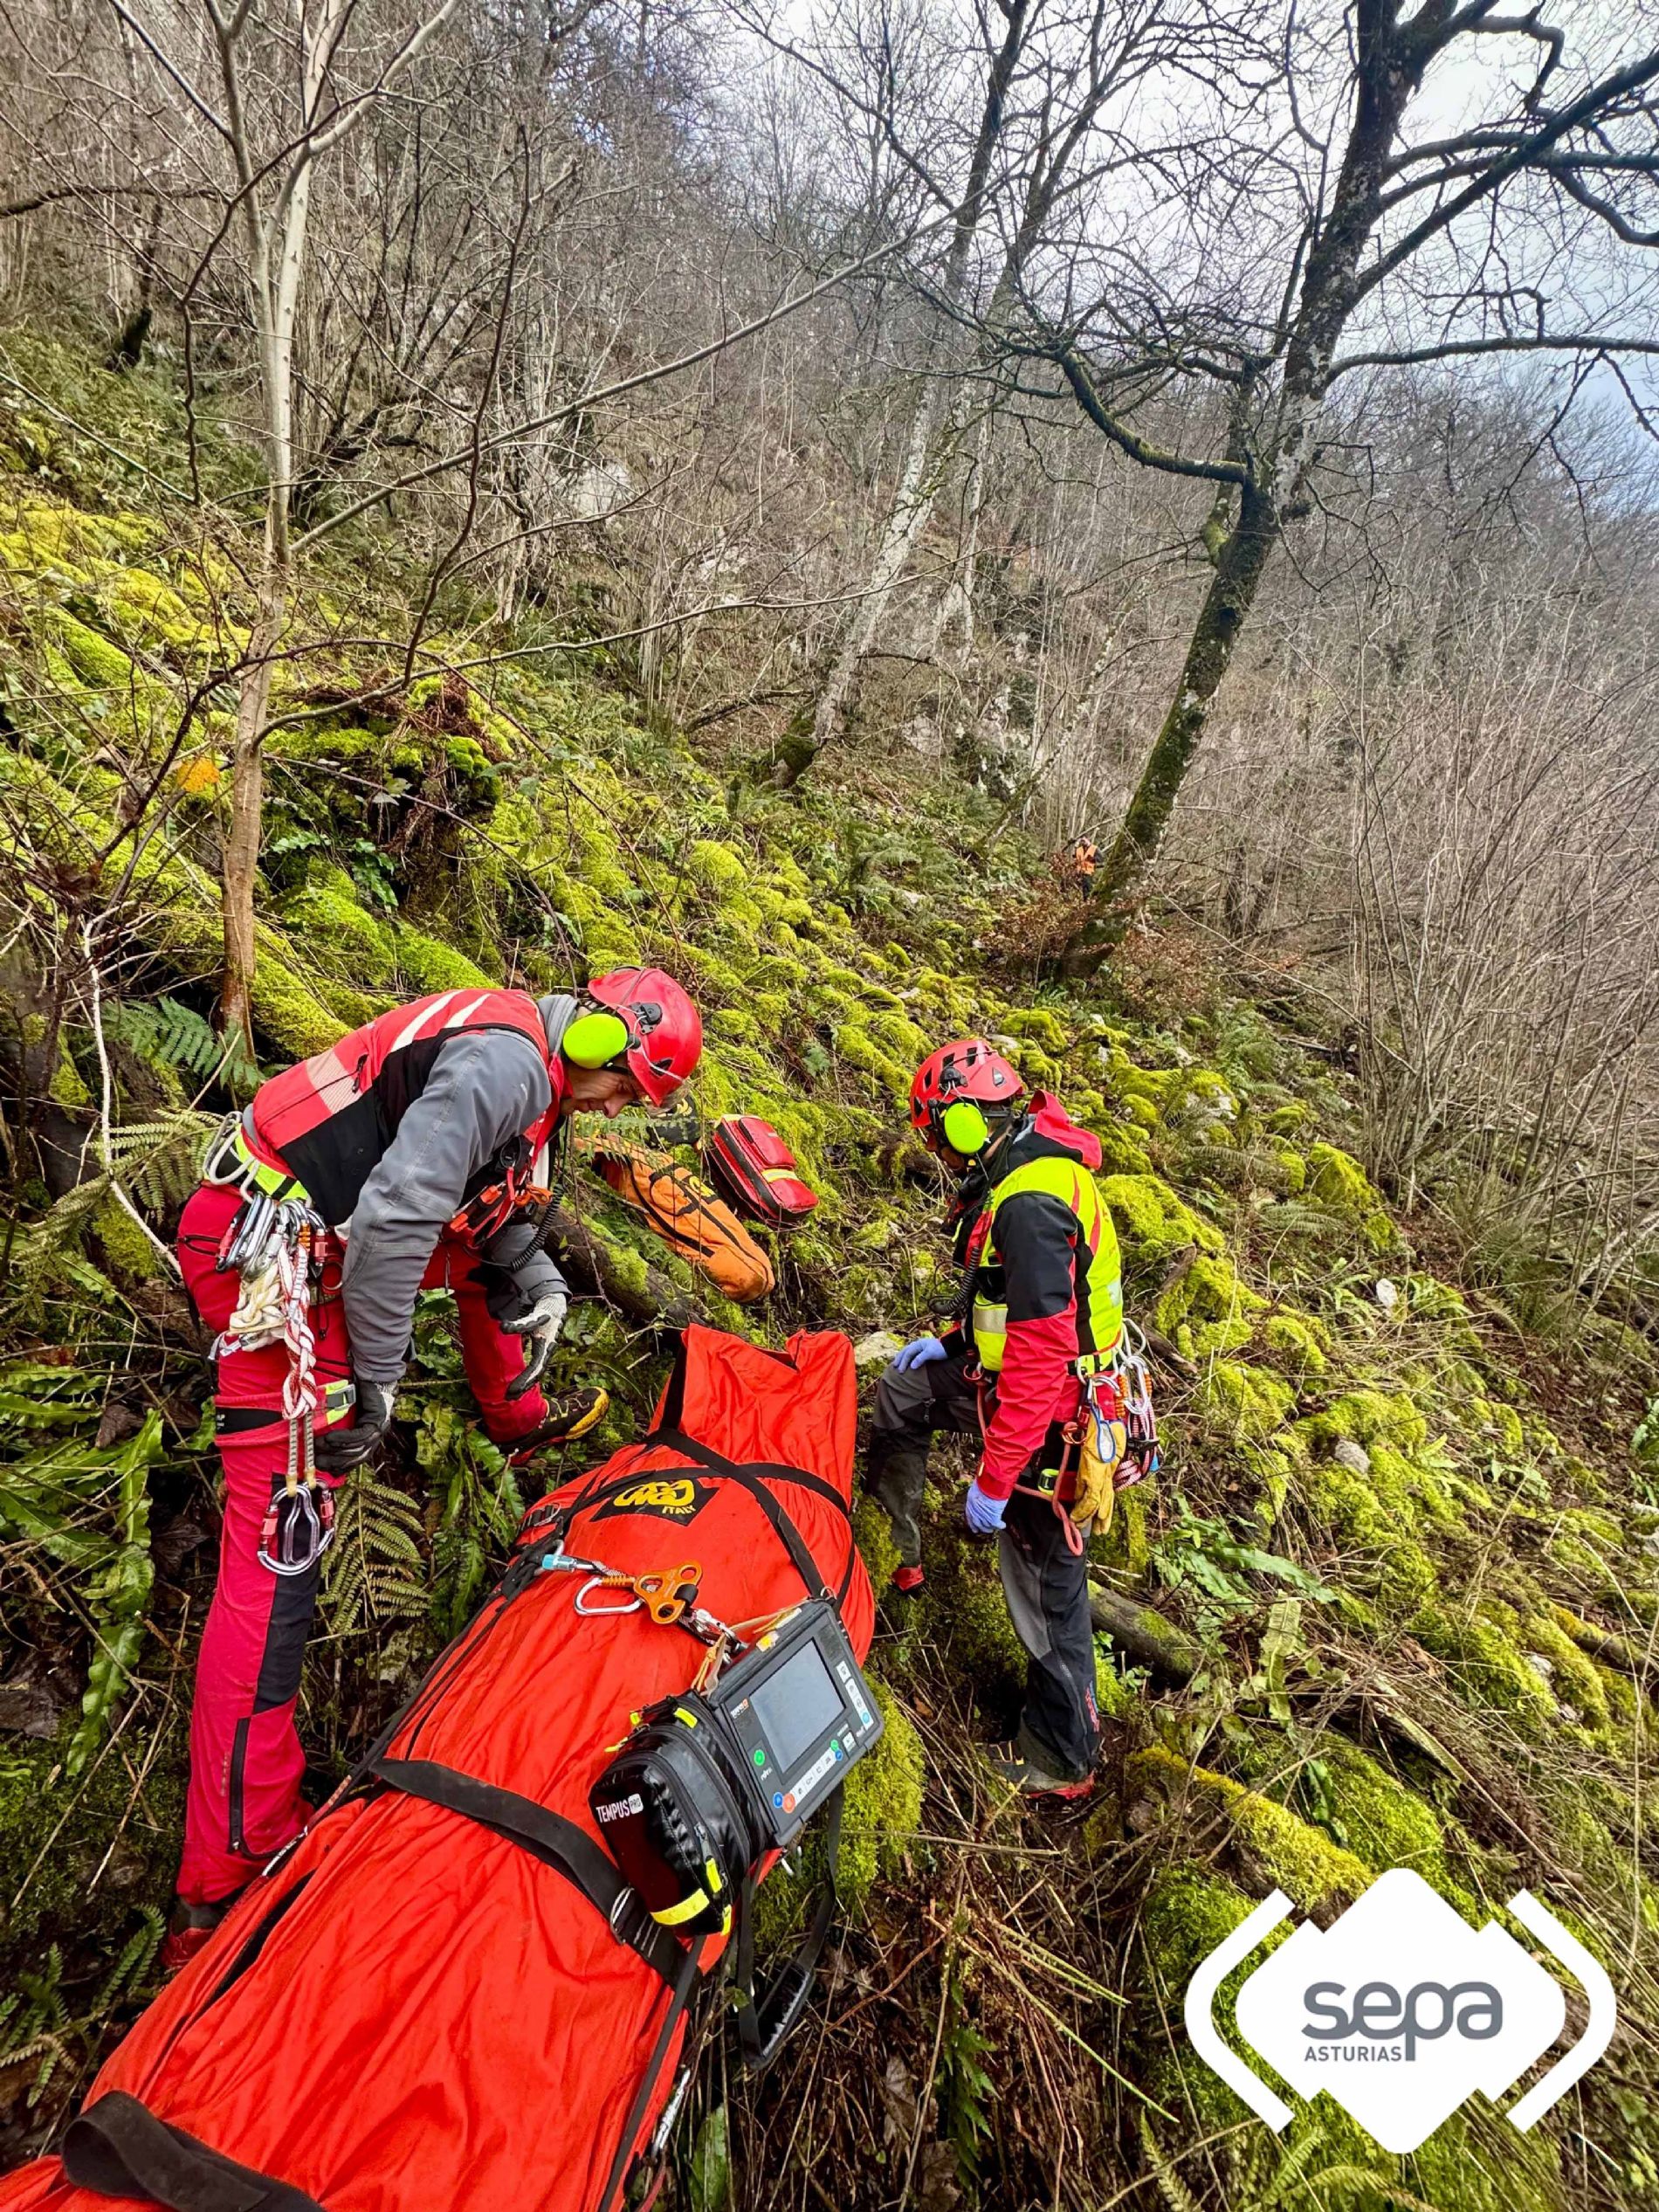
<point>277,1247</point>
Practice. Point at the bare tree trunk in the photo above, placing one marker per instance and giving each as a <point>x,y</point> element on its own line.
<point>927,458</point>
<point>239,869</point>
<point>1227,603</point>
<point>1274,465</point>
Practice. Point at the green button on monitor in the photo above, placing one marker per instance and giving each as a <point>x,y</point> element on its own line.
<point>759,1758</point>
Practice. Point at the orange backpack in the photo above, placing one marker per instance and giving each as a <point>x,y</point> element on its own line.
<point>691,1220</point>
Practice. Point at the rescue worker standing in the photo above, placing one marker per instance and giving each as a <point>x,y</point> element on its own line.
<point>396,1161</point>
<point>1040,1258</point>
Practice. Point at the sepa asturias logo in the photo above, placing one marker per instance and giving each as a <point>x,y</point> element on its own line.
<point>1401,2011</point>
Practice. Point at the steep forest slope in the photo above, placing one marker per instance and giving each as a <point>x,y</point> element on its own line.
<point>1393,1601</point>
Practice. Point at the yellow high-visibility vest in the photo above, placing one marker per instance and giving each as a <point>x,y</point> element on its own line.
<point>1073,1184</point>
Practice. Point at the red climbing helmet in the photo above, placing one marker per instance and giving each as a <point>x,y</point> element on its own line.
<point>665,1030</point>
<point>968,1069</point>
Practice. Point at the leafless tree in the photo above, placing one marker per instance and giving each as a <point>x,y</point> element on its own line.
<point>1352,236</point>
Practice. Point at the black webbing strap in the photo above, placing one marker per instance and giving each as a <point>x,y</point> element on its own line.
<point>118,2148</point>
<point>764,2023</point>
<point>549,1837</point>
<point>774,1470</point>
<point>750,1478</point>
<point>617,2179</point>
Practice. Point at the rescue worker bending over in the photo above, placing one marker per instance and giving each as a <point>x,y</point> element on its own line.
<point>392,1163</point>
<point>1040,1256</point>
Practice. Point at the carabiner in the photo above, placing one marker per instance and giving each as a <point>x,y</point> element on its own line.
<point>629,1604</point>
<point>298,1528</point>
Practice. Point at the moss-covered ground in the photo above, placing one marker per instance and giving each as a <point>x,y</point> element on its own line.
<point>1415,1553</point>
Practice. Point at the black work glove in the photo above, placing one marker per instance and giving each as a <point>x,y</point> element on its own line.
<point>337,1450</point>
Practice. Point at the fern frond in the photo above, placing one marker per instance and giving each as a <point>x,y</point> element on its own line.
<point>169,1034</point>
<point>1171,2188</point>
<point>372,1572</point>
<point>134,1962</point>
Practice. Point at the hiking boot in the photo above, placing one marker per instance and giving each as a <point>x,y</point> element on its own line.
<point>909,1580</point>
<point>569,1417</point>
<point>1013,1766</point>
<point>188,1931</point>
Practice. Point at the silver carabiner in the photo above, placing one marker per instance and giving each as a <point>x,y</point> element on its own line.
<point>293,1541</point>
<point>603,1612</point>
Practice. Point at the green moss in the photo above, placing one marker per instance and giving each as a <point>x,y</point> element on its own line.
<point>431,965</point>
<point>354,745</point>
<point>961,1615</point>
<point>1385,1822</point>
<point>145,610</point>
<point>1271,1839</point>
<point>1153,1222</point>
<point>1242,1404</point>
<point>1341,1186</point>
<point>98,660</point>
<point>67,1088</point>
<point>1188,1914</point>
<point>719,867</point>
<point>129,1252</point>
<point>1298,1343</point>
<point>1488,1668</point>
<point>1292,1168</point>
<point>1127,1543</point>
<point>872,1532</point>
<point>340,931</point>
<point>1502,1424</point>
<point>1382,1556</point>
<point>1217,1309</point>
<point>884,1805</point>
<point>1573,1677</point>
<point>1115,1700</point>
<point>856,1045</point>
<point>1367,1417</point>
<point>1042,1027</point>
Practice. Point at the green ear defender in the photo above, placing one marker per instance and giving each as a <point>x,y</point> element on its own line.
<point>594,1040</point>
<point>965,1127</point>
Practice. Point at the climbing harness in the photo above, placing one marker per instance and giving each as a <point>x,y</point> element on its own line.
<point>278,1246</point>
<point>1117,1393</point>
<point>1109,1445</point>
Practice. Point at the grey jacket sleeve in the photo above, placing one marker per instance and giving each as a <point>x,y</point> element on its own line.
<point>482,1091</point>
<point>519,1280</point>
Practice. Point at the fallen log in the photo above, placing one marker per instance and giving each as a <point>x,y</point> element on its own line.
<point>1612,1651</point>
<point>598,1266</point>
<point>1143,1633</point>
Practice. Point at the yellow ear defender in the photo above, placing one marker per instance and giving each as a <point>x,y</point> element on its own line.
<point>594,1040</point>
<point>965,1127</point>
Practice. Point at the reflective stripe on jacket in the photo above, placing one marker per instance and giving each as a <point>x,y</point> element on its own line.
<point>329,1121</point>
<point>397,1126</point>
<point>1048,1282</point>
<point>1074,1188</point>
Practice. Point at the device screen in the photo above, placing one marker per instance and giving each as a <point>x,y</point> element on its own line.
<point>797,1705</point>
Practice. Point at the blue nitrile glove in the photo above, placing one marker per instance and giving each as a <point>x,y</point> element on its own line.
<point>984,1512</point>
<point>919,1351</point>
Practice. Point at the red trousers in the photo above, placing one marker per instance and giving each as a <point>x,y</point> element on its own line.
<point>247,1765</point>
